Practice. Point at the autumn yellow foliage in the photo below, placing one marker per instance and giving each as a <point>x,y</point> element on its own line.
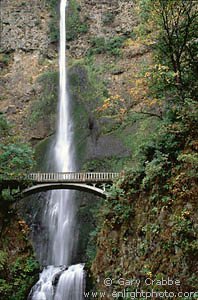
<point>115,105</point>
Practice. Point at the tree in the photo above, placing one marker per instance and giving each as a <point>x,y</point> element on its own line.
<point>16,157</point>
<point>174,29</point>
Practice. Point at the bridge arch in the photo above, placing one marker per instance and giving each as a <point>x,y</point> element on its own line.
<point>60,186</point>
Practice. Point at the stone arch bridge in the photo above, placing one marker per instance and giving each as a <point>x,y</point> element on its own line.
<point>92,182</point>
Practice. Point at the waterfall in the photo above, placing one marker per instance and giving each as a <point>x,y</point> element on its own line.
<point>60,209</point>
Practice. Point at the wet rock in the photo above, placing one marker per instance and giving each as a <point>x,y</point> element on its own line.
<point>109,146</point>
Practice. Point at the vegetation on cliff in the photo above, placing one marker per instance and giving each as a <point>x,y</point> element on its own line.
<point>18,266</point>
<point>149,225</point>
<point>16,159</point>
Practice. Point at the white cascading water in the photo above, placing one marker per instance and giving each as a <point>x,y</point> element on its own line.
<point>60,208</point>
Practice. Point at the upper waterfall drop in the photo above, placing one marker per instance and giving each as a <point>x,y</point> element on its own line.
<point>63,149</point>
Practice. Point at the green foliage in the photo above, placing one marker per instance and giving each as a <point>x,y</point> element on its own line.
<point>117,208</point>
<point>174,41</point>
<point>91,247</point>
<point>190,158</point>
<point>4,127</point>
<point>27,266</point>
<point>108,18</point>
<point>98,45</point>
<point>54,31</point>
<point>22,275</point>
<point>165,142</point>
<point>3,258</point>
<point>16,158</point>
<point>114,45</point>
<point>111,47</point>
<point>184,232</point>
<point>54,23</point>
<point>47,105</point>
<point>75,25</point>
<point>193,280</point>
<point>51,3</point>
<point>155,168</point>
<point>5,59</point>
<point>5,288</point>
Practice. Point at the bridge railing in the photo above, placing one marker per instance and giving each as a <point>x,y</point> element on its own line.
<point>72,177</point>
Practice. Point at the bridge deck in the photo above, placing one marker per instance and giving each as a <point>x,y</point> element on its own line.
<point>80,177</point>
<point>27,184</point>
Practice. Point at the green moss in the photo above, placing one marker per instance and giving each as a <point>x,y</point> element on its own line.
<point>45,107</point>
<point>86,91</point>
<point>113,163</point>
<point>86,84</point>
<point>41,152</point>
<point>87,218</point>
<point>80,132</point>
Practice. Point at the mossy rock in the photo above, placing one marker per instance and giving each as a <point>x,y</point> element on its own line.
<point>42,151</point>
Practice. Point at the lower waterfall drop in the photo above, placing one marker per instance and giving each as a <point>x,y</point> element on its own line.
<point>70,284</point>
<point>59,281</point>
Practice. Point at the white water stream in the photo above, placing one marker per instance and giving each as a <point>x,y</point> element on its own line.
<point>60,209</point>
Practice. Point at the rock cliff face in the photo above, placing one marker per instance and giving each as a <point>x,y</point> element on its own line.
<point>107,22</point>
<point>24,26</point>
<point>25,42</point>
<point>104,19</point>
<point>29,56</point>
